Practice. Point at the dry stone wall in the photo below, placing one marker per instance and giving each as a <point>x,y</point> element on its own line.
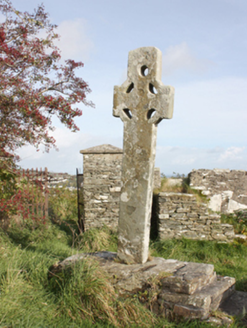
<point>59,180</point>
<point>227,190</point>
<point>180,215</point>
<point>101,186</point>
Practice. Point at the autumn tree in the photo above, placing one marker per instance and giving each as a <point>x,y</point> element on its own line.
<point>33,85</point>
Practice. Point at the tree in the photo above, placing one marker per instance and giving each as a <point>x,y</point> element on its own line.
<point>33,88</point>
<point>33,85</point>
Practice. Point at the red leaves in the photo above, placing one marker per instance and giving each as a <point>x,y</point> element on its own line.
<point>29,93</point>
<point>2,35</point>
<point>22,194</point>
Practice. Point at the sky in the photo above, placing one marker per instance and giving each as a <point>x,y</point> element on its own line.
<point>204,49</point>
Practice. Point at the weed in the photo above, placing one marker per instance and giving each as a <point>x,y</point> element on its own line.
<point>95,240</point>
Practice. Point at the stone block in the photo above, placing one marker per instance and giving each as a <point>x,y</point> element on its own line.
<point>166,235</point>
<point>182,210</point>
<point>178,215</point>
<point>218,236</point>
<point>193,215</point>
<point>163,211</point>
<point>115,189</point>
<point>189,278</point>
<point>190,312</point>
<point>163,216</point>
<point>208,298</point>
<point>230,234</point>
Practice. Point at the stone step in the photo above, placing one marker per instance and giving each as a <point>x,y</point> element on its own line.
<point>199,304</point>
<point>189,278</point>
<point>219,291</point>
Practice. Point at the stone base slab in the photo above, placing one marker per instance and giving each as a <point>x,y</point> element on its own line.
<point>202,301</point>
<point>186,289</point>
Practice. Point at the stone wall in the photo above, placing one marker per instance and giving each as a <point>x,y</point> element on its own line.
<point>101,185</point>
<point>157,178</point>
<point>180,215</point>
<point>227,190</point>
<point>59,180</point>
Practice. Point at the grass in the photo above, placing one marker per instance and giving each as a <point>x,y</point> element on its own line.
<point>238,220</point>
<point>81,295</point>
<point>179,187</point>
<point>228,259</point>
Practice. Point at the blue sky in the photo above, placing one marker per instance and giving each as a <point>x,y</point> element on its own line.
<point>204,47</point>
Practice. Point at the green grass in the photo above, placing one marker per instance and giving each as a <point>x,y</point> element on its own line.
<point>228,259</point>
<point>238,220</point>
<point>81,295</point>
<point>183,187</point>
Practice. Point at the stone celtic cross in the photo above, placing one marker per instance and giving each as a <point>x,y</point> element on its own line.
<point>141,102</point>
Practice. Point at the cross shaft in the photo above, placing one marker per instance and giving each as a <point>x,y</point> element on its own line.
<point>141,102</point>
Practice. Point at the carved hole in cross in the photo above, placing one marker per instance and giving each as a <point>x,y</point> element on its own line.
<point>159,120</point>
<point>144,70</point>
<point>130,88</point>
<point>151,113</point>
<point>152,89</point>
<point>127,112</point>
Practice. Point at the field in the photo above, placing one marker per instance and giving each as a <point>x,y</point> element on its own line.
<point>82,296</point>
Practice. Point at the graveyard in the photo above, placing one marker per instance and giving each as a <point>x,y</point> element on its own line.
<point>121,239</point>
<point>81,295</point>
<point>115,273</point>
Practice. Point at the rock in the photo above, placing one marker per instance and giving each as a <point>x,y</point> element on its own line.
<point>190,312</point>
<point>215,203</point>
<point>235,206</point>
<point>227,190</point>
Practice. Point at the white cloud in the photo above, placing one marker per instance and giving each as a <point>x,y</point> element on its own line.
<point>232,154</point>
<point>169,159</point>
<point>180,57</point>
<point>68,157</point>
<point>74,41</point>
<point>185,159</point>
